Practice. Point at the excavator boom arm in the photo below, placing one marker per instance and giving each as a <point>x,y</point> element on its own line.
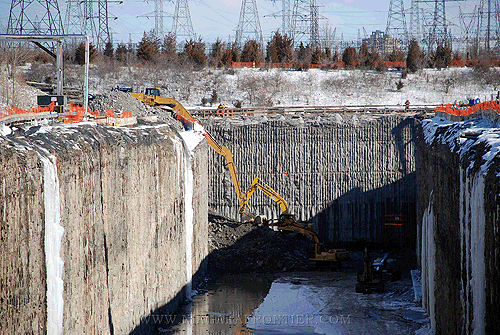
<point>184,116</point>
<point>267,190</point>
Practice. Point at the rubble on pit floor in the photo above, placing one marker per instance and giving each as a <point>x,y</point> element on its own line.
<point>236,247</point>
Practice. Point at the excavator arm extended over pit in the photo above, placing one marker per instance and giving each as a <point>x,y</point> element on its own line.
<point>181,114</point>
<point>267,190</point>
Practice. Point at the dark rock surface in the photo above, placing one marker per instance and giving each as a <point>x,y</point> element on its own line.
<point>236,247</point>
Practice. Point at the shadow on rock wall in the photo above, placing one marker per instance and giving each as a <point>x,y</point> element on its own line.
<point>358,215</point>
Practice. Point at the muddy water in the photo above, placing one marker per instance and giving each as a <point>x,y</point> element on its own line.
<point>301,303</point>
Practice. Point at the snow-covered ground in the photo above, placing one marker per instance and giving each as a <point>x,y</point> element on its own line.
<point>255,87</point>
<point>274,87</point>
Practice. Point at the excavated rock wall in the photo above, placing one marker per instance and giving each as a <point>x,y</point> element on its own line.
<point>458,213</point>
<point>121,219</point>
<point>343,172</point>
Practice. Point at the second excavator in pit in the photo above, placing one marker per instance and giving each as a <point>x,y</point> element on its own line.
<point>286,221</point>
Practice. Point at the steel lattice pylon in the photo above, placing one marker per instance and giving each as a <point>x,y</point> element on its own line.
<point>158,18</point>
<point>439,32</point>
<point>23,18</point>
<point>305,22</point>
<point>286,24</point>
<point>249,23</point>
<point>396,22</point>
<point>488,25</point>
<point>89,27</point>
<point>182,25</point>
<point>103,36</point>
<point>73,21</point>
<point>415,30</point>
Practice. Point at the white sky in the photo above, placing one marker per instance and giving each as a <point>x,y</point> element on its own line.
<point>219,18</point>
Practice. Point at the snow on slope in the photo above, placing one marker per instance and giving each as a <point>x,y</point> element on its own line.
<point>255,87</point>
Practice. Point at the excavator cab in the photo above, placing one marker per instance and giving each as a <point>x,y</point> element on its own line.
<point>152,91</point>
<point>286,219</point>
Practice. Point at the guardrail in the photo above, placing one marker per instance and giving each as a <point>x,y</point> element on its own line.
<point>379,109</point>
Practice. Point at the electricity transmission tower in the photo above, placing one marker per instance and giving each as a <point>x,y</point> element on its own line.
<point>249,23</point>
<point>305,22</point>
<point>89,27</point>
<point>436,26</point>
<point>285,14</point>
<point>467,25</point>
<point>182,25</point>
<point>396,23</point>
<point>103,36</point>
<point>73,21</point>
<point>158,31</point>
<point>488,25</point>
<point>439,33</point>
<point>24,18</point>
<point>415,27</point>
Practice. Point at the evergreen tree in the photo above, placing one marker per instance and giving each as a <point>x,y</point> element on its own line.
<point>442,56</point>
<point>216,53</point>
<point>317,56</point>
<point>279,49</point>
<point>108,50</point>
<point>328,54</point>
<point>335,57</point>
<point>272,50</point>
<point>349,57</point>
<point>303,54</point>
<point>194,52</point>
<point>148,48</point>
<point>120,53</point>
<point>230,55</point>
<point>80,53</point>
<point>169,48</point>
<point>396,56</point>
<point>364,55</point>
<point>251,52</point>
<point>414,57</point>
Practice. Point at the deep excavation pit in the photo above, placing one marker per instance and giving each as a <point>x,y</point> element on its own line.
<point>123,238</point>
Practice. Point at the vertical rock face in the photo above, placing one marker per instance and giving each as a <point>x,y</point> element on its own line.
<point>341,172</point>
<point>123,214</point>
<point>458,205</point>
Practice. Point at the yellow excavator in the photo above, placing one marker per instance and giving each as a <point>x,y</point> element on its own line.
<point>180,113</point>
<point>286,221</point>
<point>151,97</point>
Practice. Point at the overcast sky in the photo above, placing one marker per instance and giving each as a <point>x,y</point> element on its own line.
<point>219,18</point>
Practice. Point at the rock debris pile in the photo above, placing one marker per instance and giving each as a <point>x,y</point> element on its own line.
<point>236,247</point>
<point>120,101</point>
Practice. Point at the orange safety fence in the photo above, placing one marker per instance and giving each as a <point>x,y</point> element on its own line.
<point>468,110</point>
<point>73,113</point>
<point>9,110</point>
<point>341,65</point>
<point>121,115</point>
<point>239,65</point>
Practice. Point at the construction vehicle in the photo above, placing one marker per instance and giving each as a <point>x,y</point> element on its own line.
<point>152,97</point>
<point>376,274</point>
<point>286,221</point>
<point>180,113</point>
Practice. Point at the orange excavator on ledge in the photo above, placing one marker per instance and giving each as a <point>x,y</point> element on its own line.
<point>286,221</point>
